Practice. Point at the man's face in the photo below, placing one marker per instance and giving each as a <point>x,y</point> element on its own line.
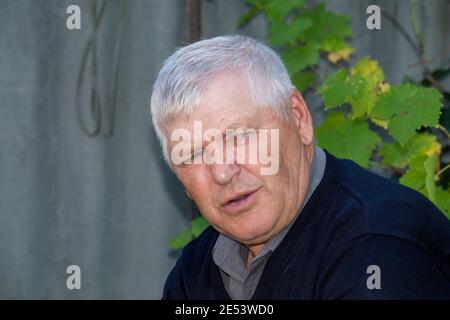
<point>237,199</point>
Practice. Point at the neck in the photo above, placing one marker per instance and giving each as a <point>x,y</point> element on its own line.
<point>253,251</point>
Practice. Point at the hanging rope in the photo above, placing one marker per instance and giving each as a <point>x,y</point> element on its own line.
<point>96,15</point>
<point>115,68</point>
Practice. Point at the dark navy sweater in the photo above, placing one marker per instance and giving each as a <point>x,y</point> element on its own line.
<point>354,220</point>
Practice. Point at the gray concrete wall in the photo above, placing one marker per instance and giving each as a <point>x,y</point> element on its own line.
<point>110,205</point>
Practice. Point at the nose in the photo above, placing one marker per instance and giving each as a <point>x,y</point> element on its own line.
<point>223,173</point>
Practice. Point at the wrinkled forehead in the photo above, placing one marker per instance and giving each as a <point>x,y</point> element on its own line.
<point>227,91</point>
<point>225,101</point>
<point>244,117</point>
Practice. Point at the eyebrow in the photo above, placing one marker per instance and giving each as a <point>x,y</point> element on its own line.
<point>238,125</point>
<point>233,126</point>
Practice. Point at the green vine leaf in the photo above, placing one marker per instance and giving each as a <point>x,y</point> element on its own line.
<point>397,156</point>
<point>298,58</point>
<point>359,89</point>
<point>335,90</point>
<point>341,88</point>
<point>328,26</point>
<point>430,169</point>
<point>181,240</point>
<point>346,138</point>
<point>337,50</point>
<point>420,175</point>
<point>443,200</point>
<point>415,176</point>
<point>370,71</point>
<point>363,96</point>
<point>303,80</point>
<point>407,108</point>
<point>279,9</point>
<point>379,122</point>
<point>281,33</point>
<point>197,226</point>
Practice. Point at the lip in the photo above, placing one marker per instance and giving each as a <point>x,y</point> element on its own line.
<point>240,202</point>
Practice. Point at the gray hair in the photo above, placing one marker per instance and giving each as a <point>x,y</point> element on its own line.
<point>186,74</point>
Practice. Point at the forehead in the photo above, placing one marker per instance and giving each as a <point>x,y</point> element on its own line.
<point>228,91</point>
<point>226,100</point>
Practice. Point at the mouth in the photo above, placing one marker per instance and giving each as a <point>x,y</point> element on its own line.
<point>240,202</point>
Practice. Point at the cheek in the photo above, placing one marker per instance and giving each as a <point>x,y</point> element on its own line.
<point>276,189</point>
<point>197,182</point>
<point>291,151</point>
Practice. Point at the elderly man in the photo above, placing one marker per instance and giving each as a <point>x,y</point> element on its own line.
<point>288,220</point>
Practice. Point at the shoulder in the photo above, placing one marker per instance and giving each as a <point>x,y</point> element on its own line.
<point>382,267</point>
<point>197,251</point>
<point>382,206</point>
<point>201,246</point>
<point>188,268</point>
<point>375,222</point>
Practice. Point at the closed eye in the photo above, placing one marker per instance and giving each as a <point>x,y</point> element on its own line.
<point>190,159</point>
<point>244,137</point>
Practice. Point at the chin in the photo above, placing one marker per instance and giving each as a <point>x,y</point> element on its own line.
<point>252,231</point>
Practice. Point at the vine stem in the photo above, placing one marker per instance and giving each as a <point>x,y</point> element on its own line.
<point>419,45</point>
<point>444,130</point>
<point>436,176</point>
<point>416,27</point>
<point>402,30</point>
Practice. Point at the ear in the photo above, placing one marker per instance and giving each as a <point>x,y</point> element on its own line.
<point>302,118</point>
